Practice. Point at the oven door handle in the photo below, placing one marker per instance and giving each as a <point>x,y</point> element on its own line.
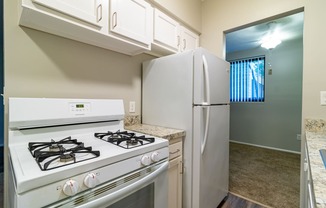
<point>126,190</point>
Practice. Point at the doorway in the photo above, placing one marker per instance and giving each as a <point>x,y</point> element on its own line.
<point>276,122</point>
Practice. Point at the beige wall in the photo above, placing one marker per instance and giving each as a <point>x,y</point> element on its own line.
<point>42,65</point>
<point>314,70</point>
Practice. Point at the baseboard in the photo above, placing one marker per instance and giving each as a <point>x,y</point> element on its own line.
<point>261,146</point>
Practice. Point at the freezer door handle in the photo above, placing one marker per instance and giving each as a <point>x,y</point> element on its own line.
<point>206,81</point>
<point>204,141</point>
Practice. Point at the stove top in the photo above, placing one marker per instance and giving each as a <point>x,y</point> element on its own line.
<point>65,137</point>
<point>125,139</point>
<point>55,154</point>
<point>30,175</point>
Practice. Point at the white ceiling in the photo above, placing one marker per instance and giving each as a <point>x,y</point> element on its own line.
<point>289,28</point>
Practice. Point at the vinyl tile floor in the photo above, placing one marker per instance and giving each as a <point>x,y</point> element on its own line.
<point>235,201</point>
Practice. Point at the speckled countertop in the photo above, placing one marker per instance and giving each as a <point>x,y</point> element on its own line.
<point>316,140</point>
<point>166,133</point>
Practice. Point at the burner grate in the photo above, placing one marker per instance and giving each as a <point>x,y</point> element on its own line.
<point>51,155</point>
<point>125,139</point>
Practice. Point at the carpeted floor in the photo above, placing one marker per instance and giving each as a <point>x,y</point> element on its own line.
<point>267,176</point>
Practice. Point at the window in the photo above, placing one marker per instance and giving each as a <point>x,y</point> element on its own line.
<point>247,80</point>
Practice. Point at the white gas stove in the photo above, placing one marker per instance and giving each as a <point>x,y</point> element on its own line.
<point>75,153</point>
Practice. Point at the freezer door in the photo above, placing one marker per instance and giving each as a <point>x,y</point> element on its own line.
<point>210,155</point>
<point>211,78</point>
<point>167,91</point>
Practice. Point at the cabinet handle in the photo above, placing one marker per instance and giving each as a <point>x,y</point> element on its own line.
<point>181,167</point>
<point>99,17</point>
<point>178,41</point>
<point>184,44</point>
<point>178,150</point>
<point>114,20</point>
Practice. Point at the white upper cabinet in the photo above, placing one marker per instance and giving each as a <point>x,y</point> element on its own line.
<point>88,21</point>
<point>132,19</point>
<point>189,40</point>
<point>169,36</point>
<point>90,11</point>
<point>126,26</point>
<point>166,31</point>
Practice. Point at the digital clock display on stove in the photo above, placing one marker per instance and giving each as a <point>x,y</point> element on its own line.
<point>79,105</point>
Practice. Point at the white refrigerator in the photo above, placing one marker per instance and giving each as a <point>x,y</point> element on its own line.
<point>190,91</point>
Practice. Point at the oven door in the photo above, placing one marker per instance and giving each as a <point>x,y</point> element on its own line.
<point>147,187</point>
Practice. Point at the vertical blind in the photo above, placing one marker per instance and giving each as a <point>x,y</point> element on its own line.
<point>247,80</point>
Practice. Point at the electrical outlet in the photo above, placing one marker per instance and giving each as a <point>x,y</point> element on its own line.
<point>322,97</point>
<point>298,136</point>
<point>132,107</point>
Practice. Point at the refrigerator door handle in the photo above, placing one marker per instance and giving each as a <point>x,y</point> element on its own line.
<point>203,143</point>
<point>207,85</point>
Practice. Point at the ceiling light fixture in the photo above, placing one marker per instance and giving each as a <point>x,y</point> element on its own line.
<point>271,40</point>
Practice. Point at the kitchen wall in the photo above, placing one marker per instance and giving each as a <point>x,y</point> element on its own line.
<point>276,122</point>
<point>38,64</point>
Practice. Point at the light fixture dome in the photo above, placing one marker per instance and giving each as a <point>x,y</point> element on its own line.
<point>271,40</point>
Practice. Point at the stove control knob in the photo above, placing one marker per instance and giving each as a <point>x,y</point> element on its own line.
<point>70,188</point>
<point>90,180</point>
<point>145,160</point>
<point>155,157</point>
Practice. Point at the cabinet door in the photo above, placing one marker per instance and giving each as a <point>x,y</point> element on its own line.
<point>166,31</point>
<point>131,19</point>
<point>190,40</point>
<point>86,10</point>
<point>175,183</point>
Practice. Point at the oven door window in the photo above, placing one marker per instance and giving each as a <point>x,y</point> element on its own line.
<point>141,198</point>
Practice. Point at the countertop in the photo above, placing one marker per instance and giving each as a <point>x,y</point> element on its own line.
<point>163,132</point>
<point>315,142</point>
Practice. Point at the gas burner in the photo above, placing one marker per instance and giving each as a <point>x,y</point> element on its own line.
<point>67,157</point>
<point>50,155</point>
<point>125,139</point>
<point>132,141</point>
<point>114,136</point>
<point>55,148</point>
